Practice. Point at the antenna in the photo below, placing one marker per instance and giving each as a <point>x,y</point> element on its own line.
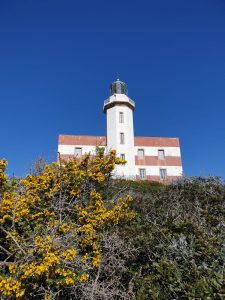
<point>117,76</point>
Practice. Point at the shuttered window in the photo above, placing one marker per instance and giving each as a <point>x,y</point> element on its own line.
<point>161,154</point>
<point>141,154</point>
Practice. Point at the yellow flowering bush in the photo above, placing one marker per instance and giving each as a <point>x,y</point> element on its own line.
<point>3,177</point>
<point>51,225</point>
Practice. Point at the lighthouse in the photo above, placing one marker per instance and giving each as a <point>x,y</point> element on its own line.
<point>147,158</point>
<point>120,128</point>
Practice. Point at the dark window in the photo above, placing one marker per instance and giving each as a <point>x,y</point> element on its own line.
<point>122,138</point>
<point>142,173</point>
<point>121,117</point>
<point>163,174</point>
<point>122,156</point>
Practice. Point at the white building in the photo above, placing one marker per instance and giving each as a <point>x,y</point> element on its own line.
<point>151,158</point>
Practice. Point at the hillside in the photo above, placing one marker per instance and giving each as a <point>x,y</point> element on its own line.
<point>70,231</point>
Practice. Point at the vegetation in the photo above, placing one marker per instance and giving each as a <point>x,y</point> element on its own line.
<point>70,231</point>
<point>179,236</point>
<point>52,227</point>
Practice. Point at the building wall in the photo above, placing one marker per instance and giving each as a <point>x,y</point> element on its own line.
<point>81,140</point>
<point>70,149</point>
<point>151,162</point>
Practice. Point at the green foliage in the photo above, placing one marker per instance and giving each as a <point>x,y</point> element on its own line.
<point>180,240</point>
<point>143,186</point>
<point>173,249</point>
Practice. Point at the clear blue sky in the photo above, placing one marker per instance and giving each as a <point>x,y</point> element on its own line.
<point>57,59</point>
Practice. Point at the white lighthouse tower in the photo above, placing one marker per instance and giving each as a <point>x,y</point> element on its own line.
<point>120,129</point>
<point>148,158</point>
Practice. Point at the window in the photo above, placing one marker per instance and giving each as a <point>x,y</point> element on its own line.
<point>121,138</point>
<point>121,117</point>
<point>142,173</point>
<point>122,156</point>
<point>161,154</point>
<point>141,154</point>
<point>163,174</point>
<point>78,152</point>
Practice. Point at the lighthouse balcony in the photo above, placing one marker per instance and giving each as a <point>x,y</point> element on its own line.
<point>118,99</point>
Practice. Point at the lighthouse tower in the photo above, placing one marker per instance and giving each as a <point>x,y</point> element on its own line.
<point>120,129</point>
<point>148,158</point>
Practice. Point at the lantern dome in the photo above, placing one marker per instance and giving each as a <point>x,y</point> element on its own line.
<point>118,87</point>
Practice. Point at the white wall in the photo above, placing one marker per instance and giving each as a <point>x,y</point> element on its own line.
<point>130,170</point>
<point>154,170</point>
<point>70,149</point>
<point>114,128</point>
<point>149,151</point>
<point>153,151</point>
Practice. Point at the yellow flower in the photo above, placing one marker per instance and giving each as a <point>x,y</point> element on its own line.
<point>10,287</point>
<point>69,281</point>
<point>63,228</point>
<point>83,277</point>
<point>96,260</point>
<point>69,254</point>
<point>50,239</point>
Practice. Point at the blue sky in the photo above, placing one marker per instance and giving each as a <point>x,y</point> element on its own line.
<point>57,59</point>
